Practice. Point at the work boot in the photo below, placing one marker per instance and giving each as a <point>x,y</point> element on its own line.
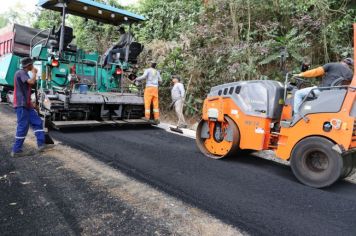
<point>45,147</point>
<point>20,154</point>
<point>17,154</point>
<point>156,122</point>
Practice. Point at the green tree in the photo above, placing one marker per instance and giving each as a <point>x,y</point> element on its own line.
<point>3,21</point>
<point>16,14</point>
<point>293,43</point>
<point>46,19</point>
<point>94,36</point>
<point>231,40</point>
<point>167,19</point>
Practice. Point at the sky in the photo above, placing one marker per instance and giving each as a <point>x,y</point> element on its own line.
<point>30,5</point>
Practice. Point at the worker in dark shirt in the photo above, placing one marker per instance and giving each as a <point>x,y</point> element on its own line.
<point>125,38</point>
<point>330,72</point>
<point>26,114</point>
<point>120,47</point>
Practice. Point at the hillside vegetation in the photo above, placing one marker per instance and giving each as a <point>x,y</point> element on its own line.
<point>217,41</point>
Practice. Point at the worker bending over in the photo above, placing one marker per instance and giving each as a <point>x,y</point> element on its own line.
<point>330,72</point>
<point>178,95</point>
<point>153,78</point>
<point>26,114</point>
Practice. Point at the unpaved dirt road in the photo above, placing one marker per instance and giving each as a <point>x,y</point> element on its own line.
<point>257,196</point>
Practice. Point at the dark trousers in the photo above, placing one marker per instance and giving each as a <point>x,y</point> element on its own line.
<point>122,52</point>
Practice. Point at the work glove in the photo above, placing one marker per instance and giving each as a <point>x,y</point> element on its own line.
<point>297,75</point>
<point>135,82</point>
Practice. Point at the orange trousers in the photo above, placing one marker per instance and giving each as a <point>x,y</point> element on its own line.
<point>151,96</point>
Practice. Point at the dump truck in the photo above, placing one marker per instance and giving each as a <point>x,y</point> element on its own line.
<point>76,88</point>
<point>246,116</point>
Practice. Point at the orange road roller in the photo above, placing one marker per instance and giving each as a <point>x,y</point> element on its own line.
<point>320,142</point>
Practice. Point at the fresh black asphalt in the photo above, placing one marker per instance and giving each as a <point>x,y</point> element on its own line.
<point>40,197</point>
<point>256,195</point>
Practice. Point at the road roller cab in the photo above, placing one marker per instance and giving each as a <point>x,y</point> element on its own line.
<point>257,115</point>
<point>252,105</point>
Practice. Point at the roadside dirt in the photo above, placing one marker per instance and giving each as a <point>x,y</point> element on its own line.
<point>67,192</point>
<point>170,117</point>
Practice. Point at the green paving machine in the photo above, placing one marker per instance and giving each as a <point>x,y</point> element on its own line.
<point>76,88</point>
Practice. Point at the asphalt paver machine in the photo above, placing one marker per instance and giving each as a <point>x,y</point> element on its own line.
<point>246,116</point>
<point>77,88</point>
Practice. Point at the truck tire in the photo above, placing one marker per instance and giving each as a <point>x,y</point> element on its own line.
<point>315,163</point>
<point>217,149</point>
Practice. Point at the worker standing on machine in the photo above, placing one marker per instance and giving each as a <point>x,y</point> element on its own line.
<point>331,72</point>
<point>178,95</point>
<point>153,78</point>
<point>26,114</point>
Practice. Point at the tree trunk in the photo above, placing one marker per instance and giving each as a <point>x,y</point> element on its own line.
<point>248,40</point>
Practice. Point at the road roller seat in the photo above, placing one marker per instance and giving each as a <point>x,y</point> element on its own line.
<point>68,35</point>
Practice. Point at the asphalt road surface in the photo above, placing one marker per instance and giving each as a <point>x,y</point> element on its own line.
<point>256,195</point>
<point>39,195</point>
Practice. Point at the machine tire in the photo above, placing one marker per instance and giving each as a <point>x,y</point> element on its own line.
<point>315,163</point>
<point>348,166</point>
<point>235,143</point>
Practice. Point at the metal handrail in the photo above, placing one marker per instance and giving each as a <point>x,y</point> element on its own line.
<point>285,87</point>
<point>49,34</point>
<point>332,87</point>
<point>96,69</point>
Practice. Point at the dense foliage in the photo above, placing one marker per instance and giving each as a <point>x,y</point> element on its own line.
<point>15,14</point>
<point>230,40</point>
<point>168,19</point>
<point>216,41</point>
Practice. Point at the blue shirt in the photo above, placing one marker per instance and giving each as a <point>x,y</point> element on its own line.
<point>22,91</point>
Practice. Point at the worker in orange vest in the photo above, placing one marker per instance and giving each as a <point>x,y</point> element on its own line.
<point>153,78</point>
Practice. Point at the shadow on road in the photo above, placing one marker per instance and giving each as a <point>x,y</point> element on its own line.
<point>108,128</point>
<point>342,187</point>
